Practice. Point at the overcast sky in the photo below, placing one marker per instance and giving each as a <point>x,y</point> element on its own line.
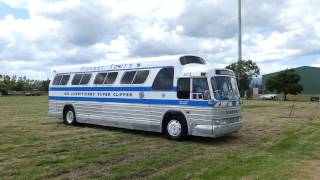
<point>38,36</point>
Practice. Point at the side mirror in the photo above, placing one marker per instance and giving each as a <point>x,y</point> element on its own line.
<point>206,95</point>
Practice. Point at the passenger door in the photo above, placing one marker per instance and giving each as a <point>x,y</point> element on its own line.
<point>202,114</point>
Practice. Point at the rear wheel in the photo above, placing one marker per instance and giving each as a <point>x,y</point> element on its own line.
<point>69,116</point>
<point>176,128</point>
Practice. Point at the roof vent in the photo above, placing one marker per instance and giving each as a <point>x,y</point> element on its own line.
<point>184,60</point>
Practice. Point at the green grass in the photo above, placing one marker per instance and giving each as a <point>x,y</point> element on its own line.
<point>270,146</point>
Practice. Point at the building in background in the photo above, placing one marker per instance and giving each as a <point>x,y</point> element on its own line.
<point>310,79</point>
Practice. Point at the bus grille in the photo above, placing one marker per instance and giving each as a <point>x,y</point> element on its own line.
<point>232,120</point>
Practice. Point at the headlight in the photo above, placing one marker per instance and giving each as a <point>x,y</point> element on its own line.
<point>219,122</point>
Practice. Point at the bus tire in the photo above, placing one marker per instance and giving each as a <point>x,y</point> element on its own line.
<point>176,128</point>
<point>69,116</point>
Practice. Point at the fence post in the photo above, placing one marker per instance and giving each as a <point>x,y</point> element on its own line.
<point>292,107</point>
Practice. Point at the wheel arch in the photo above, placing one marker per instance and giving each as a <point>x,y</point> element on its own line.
<point>170,113</point>
<point>65,107</point>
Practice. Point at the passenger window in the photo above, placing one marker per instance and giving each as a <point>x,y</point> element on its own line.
<point>100,78</point>
<point>183,88</point>
<point>141,77</point>
<point>112,76</point>
<point>85,79</point>
<point>199,86</point>
<point>76,79</point>
<point>128,77</point>
<point>65,79</point>
<point>57,79</point>
<point>164,79</point>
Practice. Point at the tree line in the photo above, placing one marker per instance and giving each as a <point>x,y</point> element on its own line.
<point>15,83</point>
<point>285,82</point>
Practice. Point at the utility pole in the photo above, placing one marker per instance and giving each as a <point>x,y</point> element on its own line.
<point>240,33</point>
<point>239,41</point>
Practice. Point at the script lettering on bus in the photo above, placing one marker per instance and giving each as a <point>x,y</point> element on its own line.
<point>124,66</point>
<point>111,67</point>
<point>92,68</point>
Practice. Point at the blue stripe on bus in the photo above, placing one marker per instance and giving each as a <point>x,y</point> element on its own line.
<point>136,101</point>
<point>106,89</point>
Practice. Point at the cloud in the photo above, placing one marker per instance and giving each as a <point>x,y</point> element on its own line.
<point>61,33</point>
<point>209,19</point>
<point>316,64</point>
<point>270,67</point>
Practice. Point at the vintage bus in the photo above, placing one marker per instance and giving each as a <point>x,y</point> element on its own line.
<point>178,96</point>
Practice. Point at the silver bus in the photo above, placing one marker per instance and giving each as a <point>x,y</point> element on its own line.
<point>178,96</point>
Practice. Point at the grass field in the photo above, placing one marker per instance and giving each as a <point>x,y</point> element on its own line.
<point>270,146</point>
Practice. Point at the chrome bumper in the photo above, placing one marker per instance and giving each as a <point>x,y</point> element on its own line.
<point>222,130</point>
<point>216,130</point>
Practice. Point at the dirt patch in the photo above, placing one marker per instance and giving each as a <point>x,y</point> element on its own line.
<point>95,167</point>
<point>309,170</point>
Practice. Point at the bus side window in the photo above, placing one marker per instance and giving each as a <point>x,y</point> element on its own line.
<point>141,77</point>
<point>76,79</point>
<point>199,86</point>
<point>85,79</point>
<point>57,79</point>
<point>128,76</point>
<point>100,78</point>
<point>65,79</point>
<point>112,76</point>
<point>164,79</point>
<point>183,88</point>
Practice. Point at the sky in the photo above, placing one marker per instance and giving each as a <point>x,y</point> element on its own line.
<point>39,36</point>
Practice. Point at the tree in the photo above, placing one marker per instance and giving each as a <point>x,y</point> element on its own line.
<point>286,82</point>
<point>245,71</point>
<point>45,85</point>
<point>16,83</point>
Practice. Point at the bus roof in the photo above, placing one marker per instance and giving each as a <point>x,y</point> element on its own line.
<point>133,63</point>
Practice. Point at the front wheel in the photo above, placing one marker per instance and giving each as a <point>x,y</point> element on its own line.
<point>69,117</point>
<point>176,128</point>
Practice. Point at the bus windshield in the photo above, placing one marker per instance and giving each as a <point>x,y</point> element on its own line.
<point>224,88</point>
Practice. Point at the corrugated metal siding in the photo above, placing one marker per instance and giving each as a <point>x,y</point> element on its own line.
<point>310,79</point>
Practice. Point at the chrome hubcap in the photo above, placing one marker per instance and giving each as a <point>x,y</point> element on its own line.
<point>174,128</point>
<point>70,117</point>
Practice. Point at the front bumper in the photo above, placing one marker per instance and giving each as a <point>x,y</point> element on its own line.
<point>216,130</point>
<point>222,130</point>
